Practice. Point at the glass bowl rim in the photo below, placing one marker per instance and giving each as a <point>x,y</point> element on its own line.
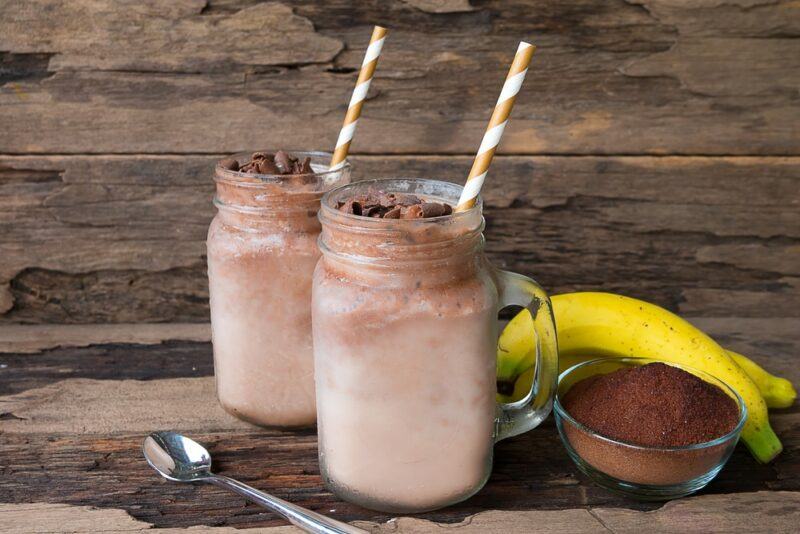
<point>562,412</point>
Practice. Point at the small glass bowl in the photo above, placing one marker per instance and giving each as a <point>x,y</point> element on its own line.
<point>642,472</point>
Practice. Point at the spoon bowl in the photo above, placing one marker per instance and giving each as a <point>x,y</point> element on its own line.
<point>177,457</point>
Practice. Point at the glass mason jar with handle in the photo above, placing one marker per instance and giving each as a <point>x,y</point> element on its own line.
<point>405,341</point>
<point>262,249</point>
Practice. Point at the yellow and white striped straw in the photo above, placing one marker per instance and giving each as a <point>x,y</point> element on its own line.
<point>359,94</point>
<point>494,131</point>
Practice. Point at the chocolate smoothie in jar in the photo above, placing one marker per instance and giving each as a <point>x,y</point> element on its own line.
<point>262,248</point>
<point>405,330</point>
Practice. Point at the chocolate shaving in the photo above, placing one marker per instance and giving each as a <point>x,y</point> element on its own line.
<point>393,206</point>
<point>413,212</point>
<point>373,211</point>
<point>393,213</point>
<point>229,164</point>
<point>432,209</point>
<point>283,162</point>
<point>280,163</point>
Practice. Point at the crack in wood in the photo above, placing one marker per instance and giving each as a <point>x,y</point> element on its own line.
<point>599,520</point>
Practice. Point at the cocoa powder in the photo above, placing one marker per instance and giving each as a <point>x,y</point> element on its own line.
<point>653,405</point>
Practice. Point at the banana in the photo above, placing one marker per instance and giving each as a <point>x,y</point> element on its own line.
<point>602,324</point>
<point>777,392</point>
<point>516,350</point>
<point>516,355</point>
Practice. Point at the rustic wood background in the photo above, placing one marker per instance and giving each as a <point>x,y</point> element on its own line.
<point>654,151</point>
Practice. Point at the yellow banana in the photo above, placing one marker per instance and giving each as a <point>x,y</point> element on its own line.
<point>516,355</point>
<point>516,350</point>
<point>516,358</point>
<point>777,392</point>
<point>602,324</point>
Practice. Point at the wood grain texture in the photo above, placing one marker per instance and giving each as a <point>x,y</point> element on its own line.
<point>616,77</point>
<point>532,472</point>
<point>759,511</point>
<point>121,239</point>
<point>654,151</point>
<point>55,453</point>
<point>85,406</point>
<point>147,352</point>
<point>34,338</point>
<point>171,38</point>
<point>42,518</point>
<point>112,361</point>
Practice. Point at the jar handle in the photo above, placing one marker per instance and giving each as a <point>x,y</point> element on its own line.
<point>527,413</point>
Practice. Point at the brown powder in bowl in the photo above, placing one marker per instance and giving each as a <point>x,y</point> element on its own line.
<point>654,405</point>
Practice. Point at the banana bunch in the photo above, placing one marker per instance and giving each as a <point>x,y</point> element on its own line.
<point>595,325</point>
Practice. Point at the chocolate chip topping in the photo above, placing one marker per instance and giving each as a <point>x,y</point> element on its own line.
<point>262,163</point>
<point>394,206</point>
<point>229,163</point>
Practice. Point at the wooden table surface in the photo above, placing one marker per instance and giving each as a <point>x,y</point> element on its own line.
<point>654,151</point>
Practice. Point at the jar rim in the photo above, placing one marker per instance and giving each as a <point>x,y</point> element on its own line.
<point>331,197</point>
<point>396,241</point>
<point>248,180</point>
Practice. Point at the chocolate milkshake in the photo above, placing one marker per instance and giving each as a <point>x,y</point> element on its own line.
<point>262,248</point>
<point>405,330</point>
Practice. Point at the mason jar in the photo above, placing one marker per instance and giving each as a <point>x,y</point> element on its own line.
<point>262,248</point>
<point>405,341</point>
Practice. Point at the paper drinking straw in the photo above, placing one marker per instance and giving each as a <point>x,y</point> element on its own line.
<point>359,94</point>
<point>494,131</point>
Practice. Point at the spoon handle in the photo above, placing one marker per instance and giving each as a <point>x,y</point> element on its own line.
<point>301,517</point>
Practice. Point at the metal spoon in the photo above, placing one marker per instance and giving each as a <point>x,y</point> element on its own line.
<point>181,459</point>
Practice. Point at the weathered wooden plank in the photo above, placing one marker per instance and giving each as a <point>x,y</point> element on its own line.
<point>112,361</point>
<point>81,405</point>
<point>149,352</point>
<point>762,511</point>
<point>759,511</point>
<point>41,518</point>
<point>34,338</point>
<point>117,239</point>
<point>72,435</point>
<point>610,77</point>
<point>441,6</point>
<point>531,472</point>
<point>120,239</point>
<point>85,406</point>
<point>173,38</point>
